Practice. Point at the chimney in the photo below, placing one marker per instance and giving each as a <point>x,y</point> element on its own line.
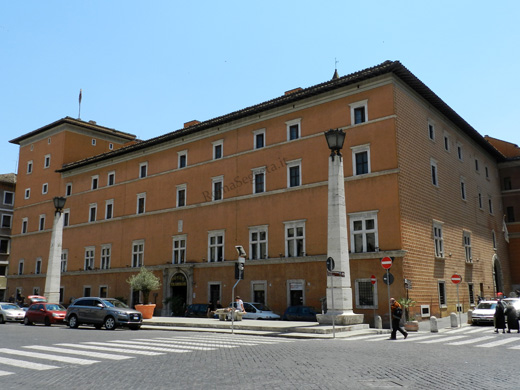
<point>293,91</point>
<point>191,123</point>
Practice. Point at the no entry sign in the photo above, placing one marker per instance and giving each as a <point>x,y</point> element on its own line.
<point>373,279</point>
<point>386,262</point>
<point>456,279</point>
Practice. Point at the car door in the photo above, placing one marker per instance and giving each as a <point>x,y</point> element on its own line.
<point>98,311</point>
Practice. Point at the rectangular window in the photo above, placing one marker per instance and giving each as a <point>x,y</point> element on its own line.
<point>47,161</point>
<point>182,159</point>
<point>486,169</point>
<point>141,203</point>
<point>363,232</point>
<point>217,188</point>
<point>459,152</point>
<point>38,266</point>
<point>29,167</point>
<point>294,173</point>
<point>20,267</point>
<point>431,131</point>
<point>259,138</point>
<point>45,188</point>
<point>471,294</point>
<point>366,294</point>
<point>111,179</point>
<point>138,254</point>
<point>64,260</point>
<point>27,193</point>
<point>480,201</point>
<point>510,214</point>
<point>258,180</point>
<point>87,291</point>
<point>109,209</point>
<point>4,247</point>
<point>216,246</point>
<point>494,239</point>
<point>25,222</point>
<point>433,165</point>
<point>466,237</point>
<point>361,159</point>
<point>507,184</point>
<point>103,291</point>
<point>68,189</point>
<point>8,198</point>
<point>446,142</point>
<point>258,242</point>
<point>476,165</point>
<point>42,223</point>
<point>218,149</point>
<point>358,112</point>
<point>179,250</point>
<point>442,294</point>
<point>293,129</point>
<point>294,239</point>
<point>106,252</point>
<point>95,182</point>
<point>462,188</point>
<point>438,239</point>
<point>181,195</point>
<point>7,221</point>
<point>93,142</point>
<point>490,204</point>
<point>89,258</point>
<point>66,217</point>
<point>143,170</point>
<point>92,212</point>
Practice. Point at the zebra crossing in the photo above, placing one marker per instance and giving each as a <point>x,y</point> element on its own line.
<point>60,355</point>
<point>481,337</point>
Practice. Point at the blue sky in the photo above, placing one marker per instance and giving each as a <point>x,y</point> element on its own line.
<point>147,67</point>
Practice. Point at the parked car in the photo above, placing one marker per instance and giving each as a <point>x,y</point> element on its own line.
<point>10,312</point>
<point>514,301</point>
<point>300,313</point>
<point>484,312</point>
<point>36,299</point>
<point>199,310</point>
<point>107,312</point>
<point>45,313</point>
<point>257,311</point>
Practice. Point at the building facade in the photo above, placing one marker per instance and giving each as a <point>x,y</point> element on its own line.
<point>7,192</point>
<point>422,187</point>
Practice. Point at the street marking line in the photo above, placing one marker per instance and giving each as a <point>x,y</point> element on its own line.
<point>497,343</point>
<point>121,343</point>
<point>471,341</point>
<point>370,336</point>
<point>419,338</point>
<point>37,355</point>
<point>477,330</point>
<point>5,373</point>
<point>199,343</point>
<point>98,355</point>
<point>442,339</point>
<point>151,343</point>
<point>457,330</point>
<point>237,338</point>
<point>26,364</point>
<point>110,349</point>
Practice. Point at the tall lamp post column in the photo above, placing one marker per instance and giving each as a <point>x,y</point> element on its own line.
<point>339,290</point>
<point>53,278</point>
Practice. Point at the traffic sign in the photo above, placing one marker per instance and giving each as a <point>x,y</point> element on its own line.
<point>330,264</point>
<point>373,279</point>
<point>390,279</point>
<point>336,273</point>
<point>386,262</point>
<point>408,284</point>
<point>456,278</point>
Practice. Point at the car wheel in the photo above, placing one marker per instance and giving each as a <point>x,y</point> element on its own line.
<point>2,319</point>
<point>110,323</point>
<point>135,327</point>
<point>47,322</point>
<point>73,322</point>
<point>26,321</point>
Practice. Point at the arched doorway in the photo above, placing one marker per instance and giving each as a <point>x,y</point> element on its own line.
<point>498,285</point>
<point>178,294</point>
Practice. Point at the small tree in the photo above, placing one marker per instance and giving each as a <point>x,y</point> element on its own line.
<point>145,281</point>
<point>406,304</point>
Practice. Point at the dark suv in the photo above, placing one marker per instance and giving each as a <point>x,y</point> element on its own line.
<point>107,312</point>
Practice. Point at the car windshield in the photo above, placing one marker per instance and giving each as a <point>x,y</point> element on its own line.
<point>486,305</point>
<point>10,307</point>
<point>55,306</point>
<point>261,306</point>
<point>114,303</point>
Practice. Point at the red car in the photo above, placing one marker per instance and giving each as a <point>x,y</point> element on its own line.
<point>45,313</point>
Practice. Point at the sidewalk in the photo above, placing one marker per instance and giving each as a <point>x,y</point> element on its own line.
<point>291,329</point>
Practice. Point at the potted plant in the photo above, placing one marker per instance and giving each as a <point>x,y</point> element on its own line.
<point>410,323</point>
<point>145,282</point>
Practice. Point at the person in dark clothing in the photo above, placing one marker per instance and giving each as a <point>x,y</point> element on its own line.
<point>500,318</point>
<point>397,313</point>
<point>512,318</point>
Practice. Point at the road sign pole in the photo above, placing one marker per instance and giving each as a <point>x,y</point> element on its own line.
<point>389,308</point>
<point>459,309</point>
<point>332,305</point>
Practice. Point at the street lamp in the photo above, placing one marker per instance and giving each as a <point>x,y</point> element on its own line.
<point>339,290</point>
<point>53,277</point>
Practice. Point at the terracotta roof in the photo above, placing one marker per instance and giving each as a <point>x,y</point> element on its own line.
<point>8,178</point>
<point>387,67</point>
<point>76,122</point>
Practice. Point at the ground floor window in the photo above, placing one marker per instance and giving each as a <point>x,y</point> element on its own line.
<point>366,294</point>
<point>471,294</point>
<point>259,291</point>
<point>296,292</point>
<point>442,294</point>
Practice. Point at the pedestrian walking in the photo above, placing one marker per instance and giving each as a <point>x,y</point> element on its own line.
<point>512,318</point>
<point>397,313</point>
<point>499,317</point>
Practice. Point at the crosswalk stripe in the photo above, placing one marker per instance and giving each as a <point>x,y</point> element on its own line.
<point>198,343</point>
<point>354,338</point>
<point>151,343</point>
<point>111,349</point>
<point>25,364</point>
<point>120,343</point>
<point>5,373</point>
<point>263,339</point>
<point>98,355</point>
<point>458,330</point>
<point>497,343</point>
<point>37,355</point>
<point>420,338</point>
<point>477,330</point>
<point>471,341</point>
<point>441,340</point>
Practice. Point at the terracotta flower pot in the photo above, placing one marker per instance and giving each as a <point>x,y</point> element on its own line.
<point>412,326</point>
<point>146,310</point>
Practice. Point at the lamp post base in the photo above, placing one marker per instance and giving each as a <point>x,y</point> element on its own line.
<point>340,319</point>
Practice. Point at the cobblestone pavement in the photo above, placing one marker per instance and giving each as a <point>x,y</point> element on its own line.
<point>56,358</point>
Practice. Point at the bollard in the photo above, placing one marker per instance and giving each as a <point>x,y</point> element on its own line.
<point>378,322</point>
<point>434,326</point>
<point>470,316</point>
<point>453,320</point>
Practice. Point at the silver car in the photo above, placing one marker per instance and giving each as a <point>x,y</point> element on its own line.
<point>107,312</point>
<point>11,312</point>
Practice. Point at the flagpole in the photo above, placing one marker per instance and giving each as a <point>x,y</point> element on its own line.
<point>79,112</point>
